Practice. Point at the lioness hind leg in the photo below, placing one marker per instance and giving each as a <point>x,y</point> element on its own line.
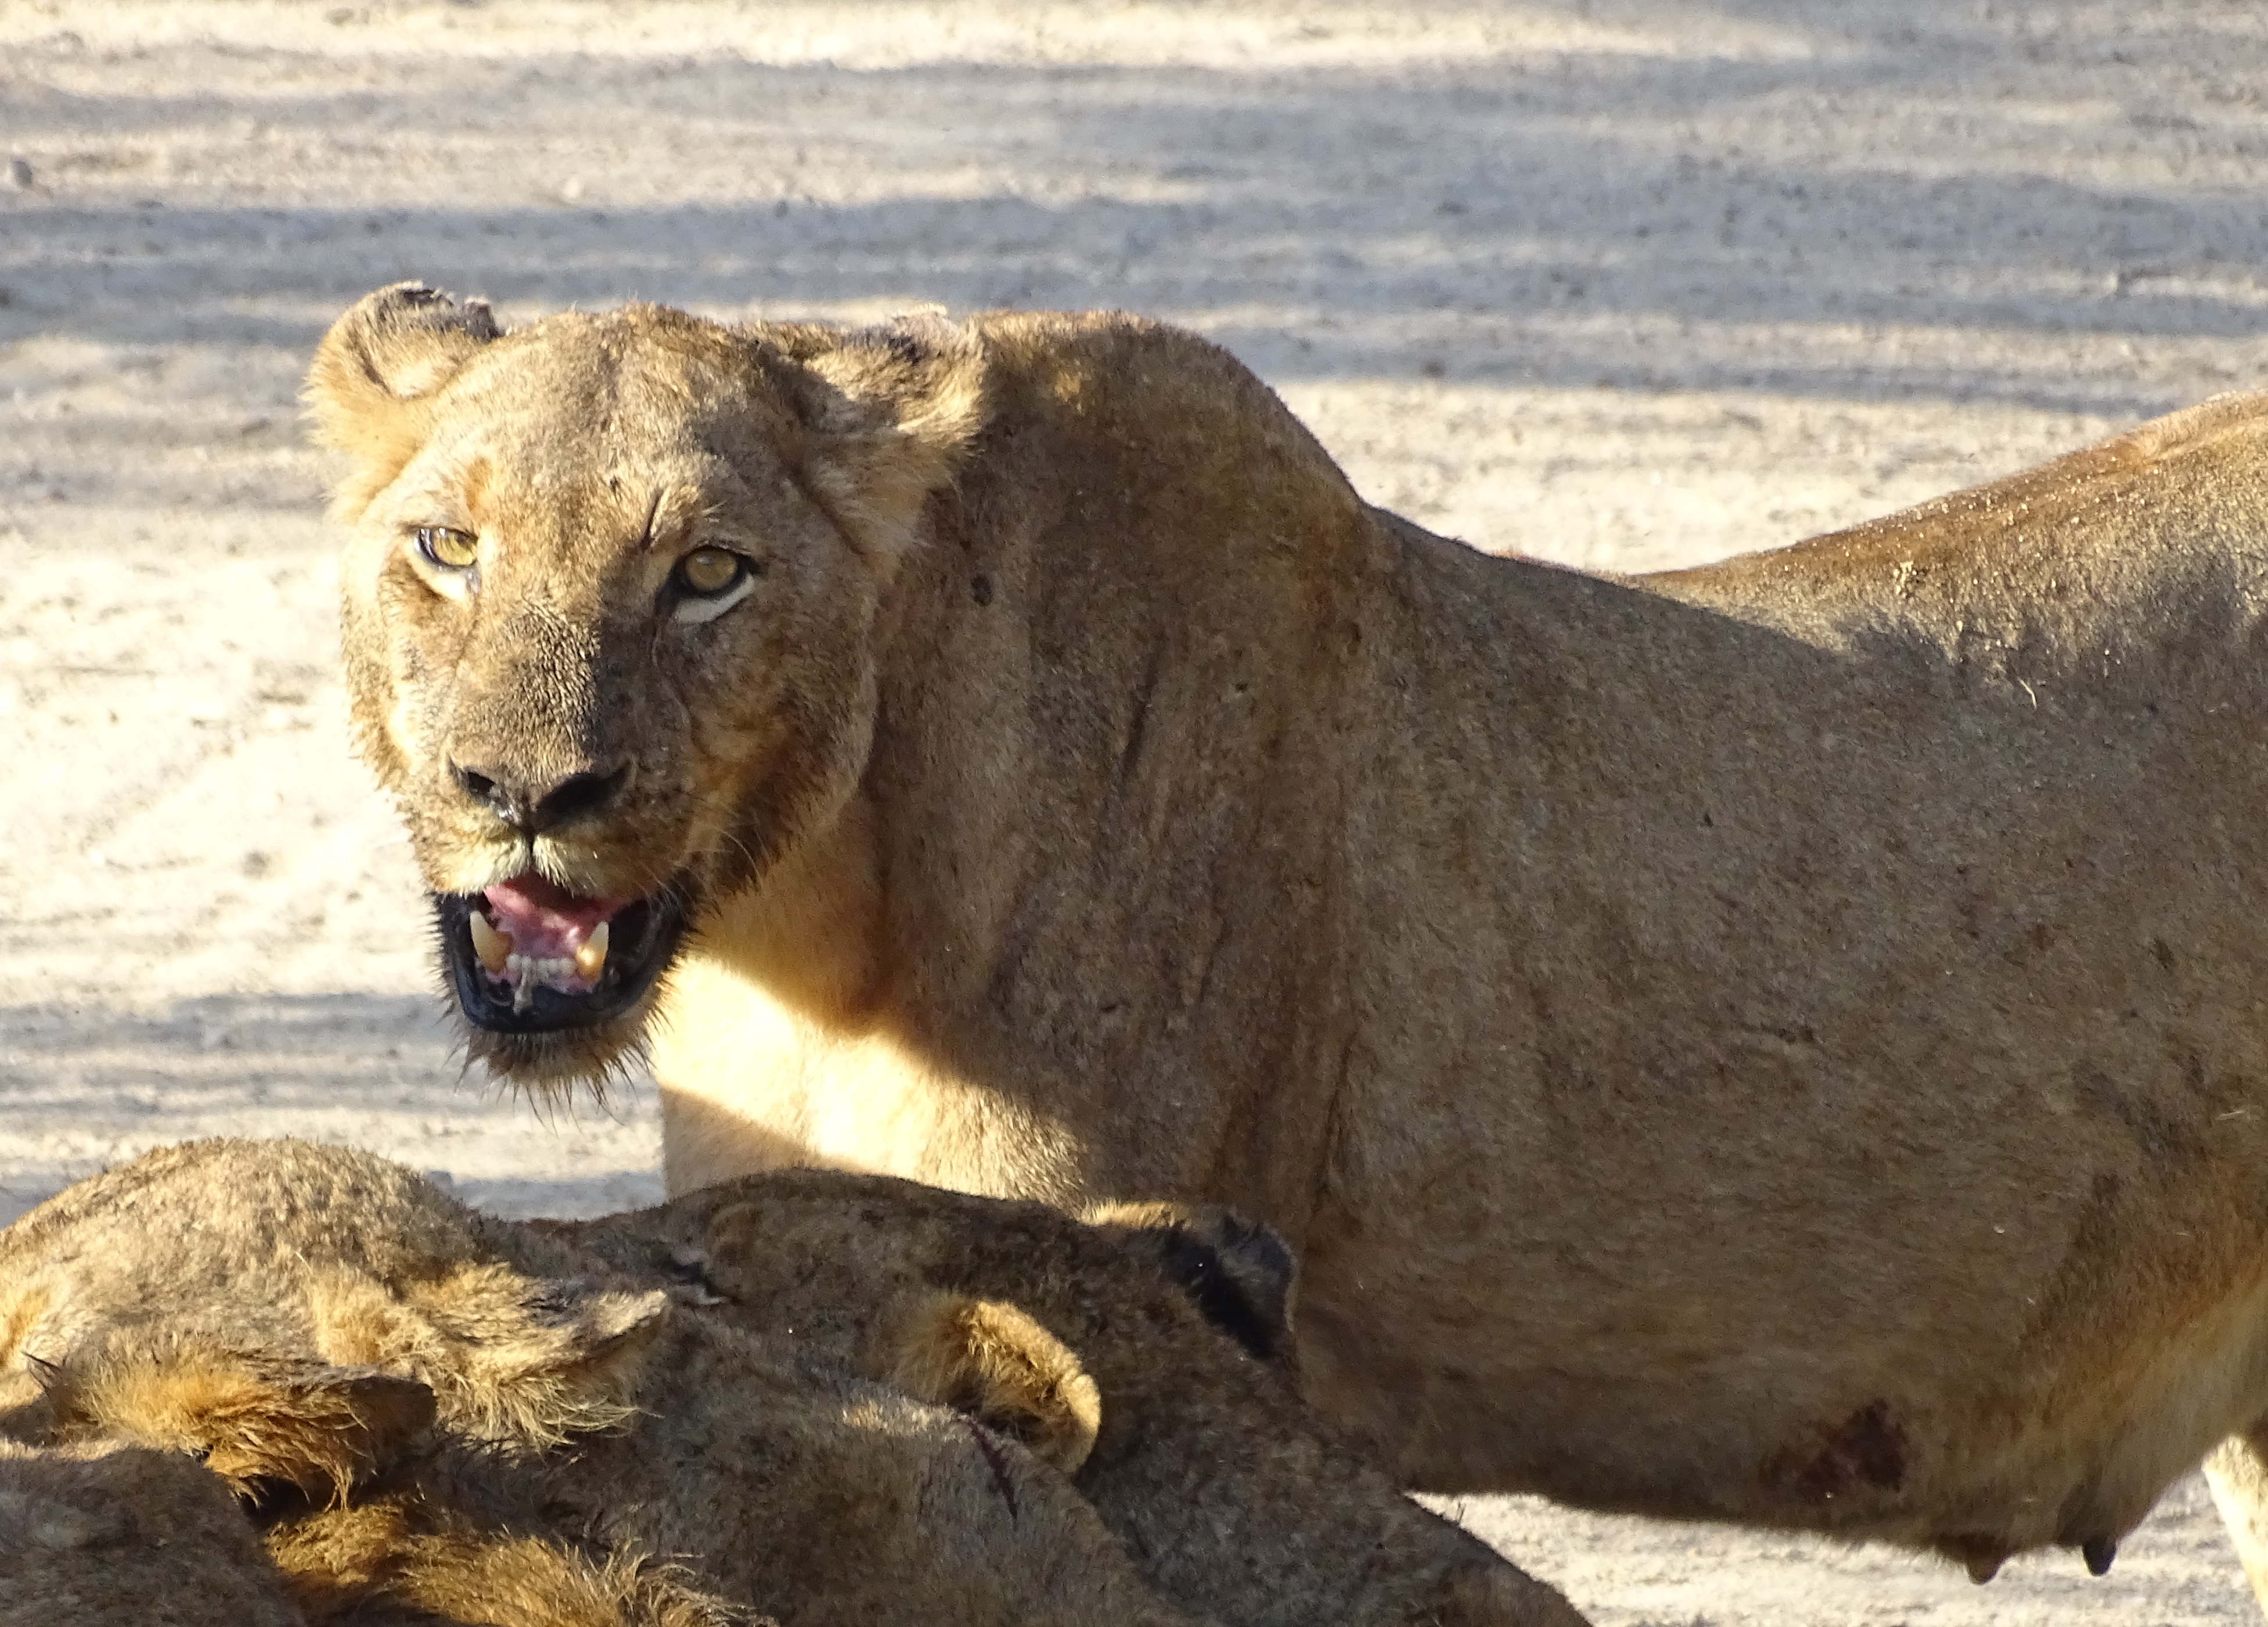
<point>2238,1471</point>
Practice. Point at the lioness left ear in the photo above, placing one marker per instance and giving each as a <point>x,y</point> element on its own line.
<point>898,406</point>
<point>990,1360</point>
<point>389,353</point>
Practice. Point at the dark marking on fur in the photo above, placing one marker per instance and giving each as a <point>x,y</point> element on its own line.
<point>1868,1450</point>
<point>997,1464</point>
<point>909,340</point>
<point>2159,1134</point>
<point>267,1501</point>
<point>1220,1298</point>
<point>1140,725</point>
<point>690,1271</point>
<point>980,589</point>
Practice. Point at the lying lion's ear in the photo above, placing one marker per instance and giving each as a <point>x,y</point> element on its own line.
<point>389,352</point>
<point>321,1429</point>
<point>990,1360</point>
<point>1239,1273</point>
<point>898,406</point>
<point>575,1366</point>
<point>519,1362</point>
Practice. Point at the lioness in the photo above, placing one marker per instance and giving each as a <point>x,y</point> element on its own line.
<point>1779,1041</point>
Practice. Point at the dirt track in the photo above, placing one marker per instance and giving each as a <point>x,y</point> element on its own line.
<point>1620,285</point>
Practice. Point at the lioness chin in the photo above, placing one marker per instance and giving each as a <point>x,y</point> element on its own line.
<point>1779,1042</point>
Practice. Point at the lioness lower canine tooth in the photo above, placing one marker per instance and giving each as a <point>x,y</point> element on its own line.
<point>591,953</point>
<point>493,947</point>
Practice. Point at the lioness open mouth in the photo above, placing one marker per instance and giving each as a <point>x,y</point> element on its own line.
<point>529,957</point>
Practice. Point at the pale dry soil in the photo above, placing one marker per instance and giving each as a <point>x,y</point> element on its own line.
<point>1623,284</point>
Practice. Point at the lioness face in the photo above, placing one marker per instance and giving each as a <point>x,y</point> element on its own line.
<point>609,597</point>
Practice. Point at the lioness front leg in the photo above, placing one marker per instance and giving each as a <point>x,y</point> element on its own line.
<point>2237,1470</point>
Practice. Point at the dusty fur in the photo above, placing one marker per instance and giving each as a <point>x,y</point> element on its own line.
<point>101,1534</point>
<point>770,1461</point>
<point>1634,998</point>
<point>1241,1505</point>
<point>734,1471</point>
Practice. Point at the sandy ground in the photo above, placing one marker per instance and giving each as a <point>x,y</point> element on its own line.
<point>1620,285</point>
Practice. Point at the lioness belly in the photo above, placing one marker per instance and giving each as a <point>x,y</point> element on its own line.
<point>1980,1407</point>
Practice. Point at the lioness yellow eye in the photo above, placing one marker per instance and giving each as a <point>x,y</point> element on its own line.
<point>708,571</point>
<point>447,547</point>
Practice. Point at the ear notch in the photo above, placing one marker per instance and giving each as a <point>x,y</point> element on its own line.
<point>321,1428</point>
<point>898,406</point>
<point>993,1361</point>
<point>517,1361</point>
<point>376,368</point>
<point>1241,1276</point>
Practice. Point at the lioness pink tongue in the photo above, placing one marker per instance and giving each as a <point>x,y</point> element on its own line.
<point>549,934</point>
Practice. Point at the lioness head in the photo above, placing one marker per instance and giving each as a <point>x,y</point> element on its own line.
<point>608,599</point>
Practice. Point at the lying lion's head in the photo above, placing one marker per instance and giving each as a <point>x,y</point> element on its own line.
<point>608,607</point>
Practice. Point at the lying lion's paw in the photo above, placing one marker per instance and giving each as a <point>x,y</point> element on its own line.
<point>990,1360</point>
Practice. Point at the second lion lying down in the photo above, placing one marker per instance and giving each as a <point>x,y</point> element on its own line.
<point>820,1397</point>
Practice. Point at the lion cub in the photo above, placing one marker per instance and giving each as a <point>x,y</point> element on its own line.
<point>824,1398</point>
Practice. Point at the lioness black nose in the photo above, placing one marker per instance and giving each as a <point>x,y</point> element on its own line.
<point>535,808</point>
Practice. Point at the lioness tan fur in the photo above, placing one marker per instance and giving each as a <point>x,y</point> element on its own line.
<point>429,1410</point>
<point>435,1415</point>
<point>1779,1042</point>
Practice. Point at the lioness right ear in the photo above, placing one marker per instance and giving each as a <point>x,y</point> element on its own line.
<point>898,407</point>
<point>389,353</point>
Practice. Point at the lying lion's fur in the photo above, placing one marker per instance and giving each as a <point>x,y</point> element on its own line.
<point>540,1413</point>
<point>528,1427</point>
<point>1200,1456</point>
<point>105,1535</point>
<point>1777,1041</point>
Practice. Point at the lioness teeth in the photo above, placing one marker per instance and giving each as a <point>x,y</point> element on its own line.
<point>493,947</point>
<point>590,954</point>
<point>527,973</point>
